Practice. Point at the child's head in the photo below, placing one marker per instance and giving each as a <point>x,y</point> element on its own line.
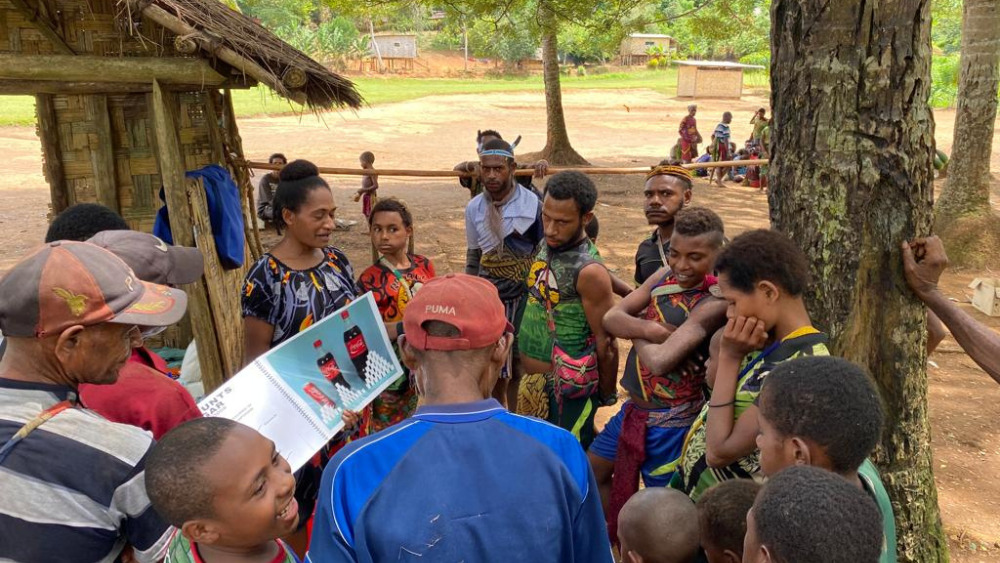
<point>658,525</point>
<point>727,117</point>
<point>223,484</point>
<point>821,411</point>
<point>810,514</point>
<point>391,225</point>
<point>367,159</point>
<point>696,241</point>
<point>759,272</point>
<point>722,519</point>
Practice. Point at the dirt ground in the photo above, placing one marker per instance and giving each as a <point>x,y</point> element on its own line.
<point>620,128</point>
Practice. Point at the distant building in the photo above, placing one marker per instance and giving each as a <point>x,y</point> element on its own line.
<point>397,50</point>
<point>710,79</point>
<point>635,48</point>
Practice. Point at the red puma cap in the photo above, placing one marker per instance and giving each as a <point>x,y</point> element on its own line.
<point>469,303</point>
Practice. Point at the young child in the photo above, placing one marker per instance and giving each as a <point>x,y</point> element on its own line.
<point>369,185</point>
<point>226,489</point>
<point>722,150</point>
<point>665,373</point>
<point>659,525</point>
<point>722,519</point>
<point>825,412</point>
<point>763,275</point>
<point>393,280</point>
<point>808,514</point>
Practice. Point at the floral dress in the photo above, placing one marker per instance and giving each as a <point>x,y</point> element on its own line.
<point>292,300</point>
<point>393,289</point>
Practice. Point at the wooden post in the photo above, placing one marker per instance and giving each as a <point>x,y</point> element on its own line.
<point>102,155</point>
<point>251,229</point>
<point>171,164</point>
<point>48,134</point>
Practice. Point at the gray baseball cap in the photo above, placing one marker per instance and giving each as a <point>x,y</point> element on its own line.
<point>77,283</point>
<point>151,259</point>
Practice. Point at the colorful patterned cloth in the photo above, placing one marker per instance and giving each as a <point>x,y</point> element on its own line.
<point>671,304</point>
<point>181,550</point>
<point>689,138</point>
<point>694,476</point>
<point>292,300</point>
<point>392,294</point>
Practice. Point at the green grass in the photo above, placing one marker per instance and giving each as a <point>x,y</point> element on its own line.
<point>20,110</point>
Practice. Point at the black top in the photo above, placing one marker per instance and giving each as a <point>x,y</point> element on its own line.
<point>648,259</point>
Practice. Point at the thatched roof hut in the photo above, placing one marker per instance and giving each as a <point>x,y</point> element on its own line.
<point>131,94</point>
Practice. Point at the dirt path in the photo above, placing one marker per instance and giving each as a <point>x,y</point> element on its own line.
<point>627,128</point>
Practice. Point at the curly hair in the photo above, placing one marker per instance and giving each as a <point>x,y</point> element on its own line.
<point>722,513</point>
<point>82,221</point>
<point>829,401</point>
<point>696,221</point>
<point>573,185</point>
<point>764,255</point>
<point>809,514</point>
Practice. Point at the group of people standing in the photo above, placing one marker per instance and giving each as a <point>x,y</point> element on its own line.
<point>721,148</point>
<point>486,448</point>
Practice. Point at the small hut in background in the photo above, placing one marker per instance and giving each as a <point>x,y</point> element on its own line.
<point>711,79</point>
<point>636,47</point>
<point>131,94</point>
<point>392,51</point>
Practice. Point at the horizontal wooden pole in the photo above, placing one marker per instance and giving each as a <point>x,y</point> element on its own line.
<point>87,68</point>
<point>520,172</point>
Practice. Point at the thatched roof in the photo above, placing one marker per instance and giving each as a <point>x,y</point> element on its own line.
<point>246,45</point>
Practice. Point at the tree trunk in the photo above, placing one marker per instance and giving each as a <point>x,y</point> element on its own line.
<point>967,190</point>
<point>557,146</point>
<point>852,178</point>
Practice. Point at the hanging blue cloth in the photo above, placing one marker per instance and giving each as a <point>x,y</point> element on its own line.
<point>225,212</point>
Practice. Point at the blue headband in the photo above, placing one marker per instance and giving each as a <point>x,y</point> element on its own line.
<point>497,152</point>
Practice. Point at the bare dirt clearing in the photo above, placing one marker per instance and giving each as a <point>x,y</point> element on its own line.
<point>619,128</point>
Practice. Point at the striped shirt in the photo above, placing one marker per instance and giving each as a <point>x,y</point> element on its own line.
<point>73,489</point>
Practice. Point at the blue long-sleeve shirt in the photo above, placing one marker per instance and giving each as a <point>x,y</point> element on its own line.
<point>468,482</point>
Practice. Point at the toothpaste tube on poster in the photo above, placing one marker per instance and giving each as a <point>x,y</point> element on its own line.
<point>318,396</point>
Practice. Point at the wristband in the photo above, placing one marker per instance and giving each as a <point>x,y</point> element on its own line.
<point>711,406</point>
<point>399,329</point>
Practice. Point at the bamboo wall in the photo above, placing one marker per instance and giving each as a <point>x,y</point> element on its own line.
<point>694,82</point>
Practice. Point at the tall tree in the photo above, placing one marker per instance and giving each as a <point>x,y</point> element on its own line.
<point>558,149</point>
<point>967,190</point>
<point>851,178</point>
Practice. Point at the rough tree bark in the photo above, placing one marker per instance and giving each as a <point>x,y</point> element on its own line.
<point>851,178</point>
<point>967,190</point>
<point>558,149</point>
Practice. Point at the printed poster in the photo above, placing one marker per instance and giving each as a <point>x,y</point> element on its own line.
<point>296,393</point>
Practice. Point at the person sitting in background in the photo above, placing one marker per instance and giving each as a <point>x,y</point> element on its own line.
<point>707,157</point>
<point>226,489</point>
<point>924,260</point>
<point>826,412</point>
<point>658,526</point>
<point>807,514</point>
<point>267,186</point>
<point>722,519</point>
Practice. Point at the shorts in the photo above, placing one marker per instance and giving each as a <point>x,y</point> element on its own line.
<point>663,447</point>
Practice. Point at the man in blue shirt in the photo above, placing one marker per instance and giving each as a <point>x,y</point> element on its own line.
<point>463,479</point>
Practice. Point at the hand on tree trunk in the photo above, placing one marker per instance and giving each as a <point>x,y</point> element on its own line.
<point>924,260</point>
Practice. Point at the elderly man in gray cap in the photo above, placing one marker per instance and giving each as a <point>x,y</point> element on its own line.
<point>72,480</point>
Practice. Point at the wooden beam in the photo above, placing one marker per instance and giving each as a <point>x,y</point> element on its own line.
<point>171,163</point>
<point>234,59</point>
<point>87,68</point>
<point>102,153</point>
<point>48,134</point>
<point>32,87</point>
<point>32,14</point>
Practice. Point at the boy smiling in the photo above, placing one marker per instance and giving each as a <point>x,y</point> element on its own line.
<point>227,490</point>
